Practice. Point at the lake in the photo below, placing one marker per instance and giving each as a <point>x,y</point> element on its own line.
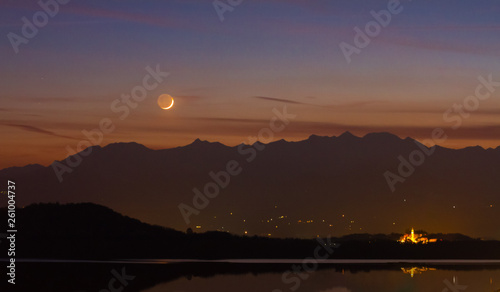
<point>272,276</point>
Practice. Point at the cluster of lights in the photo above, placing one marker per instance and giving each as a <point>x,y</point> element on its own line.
<point>283,217</point>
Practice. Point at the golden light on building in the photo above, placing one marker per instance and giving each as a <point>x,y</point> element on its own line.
<point>415,238</point>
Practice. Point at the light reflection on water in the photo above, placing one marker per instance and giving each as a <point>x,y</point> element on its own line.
<point>260,275</point>
<point>329,280</point>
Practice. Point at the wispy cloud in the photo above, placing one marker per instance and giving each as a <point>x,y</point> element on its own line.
<point>232,120</point>
<point>281,100</point>
<point>188,97</point>
<point>38,130</point>
<point>448,28</point>
<point>354,104</point>
<point>47,99</point>
<point>438,45</point>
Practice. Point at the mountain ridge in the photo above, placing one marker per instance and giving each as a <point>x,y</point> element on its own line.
<point>320,178</point>
<point>312,137</point>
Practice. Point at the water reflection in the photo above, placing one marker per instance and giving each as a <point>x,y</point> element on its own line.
<point>416,270</point>
<point>331,281</point>
<point>244,277</point>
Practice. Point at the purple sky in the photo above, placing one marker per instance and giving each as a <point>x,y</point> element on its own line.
<point>227,76</point>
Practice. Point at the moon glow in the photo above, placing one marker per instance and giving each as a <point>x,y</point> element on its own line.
<point>165,101</point>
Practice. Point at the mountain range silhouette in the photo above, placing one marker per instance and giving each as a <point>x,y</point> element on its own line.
<point>338,184</point>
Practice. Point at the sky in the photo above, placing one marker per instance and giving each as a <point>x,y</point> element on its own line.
<point>228,71</point>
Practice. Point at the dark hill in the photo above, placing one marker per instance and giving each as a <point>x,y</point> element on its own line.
<point>89,231</point>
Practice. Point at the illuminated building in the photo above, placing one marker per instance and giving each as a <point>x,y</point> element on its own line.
<point>415,238</point>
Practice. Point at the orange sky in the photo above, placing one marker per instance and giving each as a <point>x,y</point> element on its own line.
<point>227,76</point>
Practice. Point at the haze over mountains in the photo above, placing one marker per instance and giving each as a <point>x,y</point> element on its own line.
<point>332,185</point>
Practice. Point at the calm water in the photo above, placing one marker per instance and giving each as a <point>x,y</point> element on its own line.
<point>332,281</point>
<point>199,276</point>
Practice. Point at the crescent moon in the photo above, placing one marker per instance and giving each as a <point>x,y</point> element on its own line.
<point>170,106</point>
<point>165,101</point>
